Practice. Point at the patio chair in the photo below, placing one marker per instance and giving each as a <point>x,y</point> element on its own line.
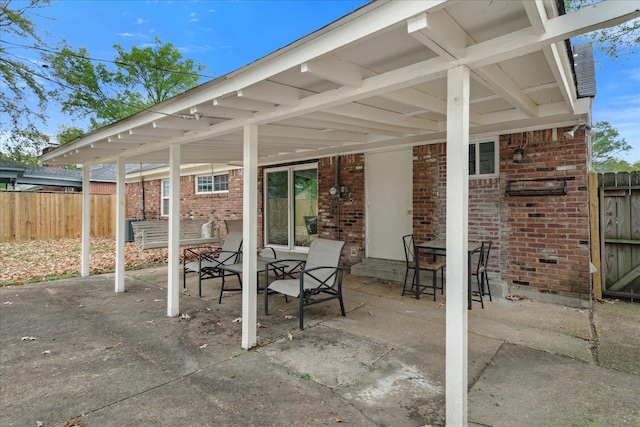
<point>434,266</point>
<point>320,278</point>
<point>208,264</point>
<point>480,271</point>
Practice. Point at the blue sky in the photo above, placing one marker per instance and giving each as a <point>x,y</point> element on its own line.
<point>226,35</point>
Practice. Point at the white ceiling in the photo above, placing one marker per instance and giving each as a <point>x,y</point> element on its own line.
<point>375,78</point>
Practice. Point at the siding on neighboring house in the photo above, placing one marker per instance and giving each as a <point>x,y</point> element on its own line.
<point>539,241</point>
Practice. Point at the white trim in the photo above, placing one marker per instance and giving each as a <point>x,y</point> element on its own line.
<point>496,157</point>
<point>290,169</point>
<point>163,197</point>
<point>213,183</point>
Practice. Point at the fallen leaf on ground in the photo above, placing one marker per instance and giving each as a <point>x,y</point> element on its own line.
<point>7,303</point>
<point>185,316</point>
<point>158,300</point>
<point>289,336</point>
<point>46,352</point>
<point>109,347</point>
<point>29,338</point>
<point>288,317</point>
<point>237,320</point>
<point>203,346</point>
<point>514,297</point>
<point>261,325</point>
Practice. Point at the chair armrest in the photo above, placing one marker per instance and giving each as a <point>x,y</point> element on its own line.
<point>285,268</point>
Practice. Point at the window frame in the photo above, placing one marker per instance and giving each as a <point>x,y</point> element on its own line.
<point>164,196</point>
<point>290,169</point>
<point>496,157</point>
<point>213,183</point>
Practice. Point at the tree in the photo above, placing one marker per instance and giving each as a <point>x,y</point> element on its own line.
<point>611,41</point>
<point>24,98</point>
<point>140,79</point>
<point>606,145</point>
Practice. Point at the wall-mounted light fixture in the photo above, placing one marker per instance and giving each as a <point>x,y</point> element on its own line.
<point>570,134</point>
<point>518,152</point>
<point>517,155</point>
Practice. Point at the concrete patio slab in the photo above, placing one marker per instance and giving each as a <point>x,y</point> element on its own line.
<point>116,359</point>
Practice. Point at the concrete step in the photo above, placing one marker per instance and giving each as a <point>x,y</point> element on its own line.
<point>380,268</point>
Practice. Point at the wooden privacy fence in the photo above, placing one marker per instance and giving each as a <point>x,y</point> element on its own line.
<point>35,216</point>
<point>619,217</point>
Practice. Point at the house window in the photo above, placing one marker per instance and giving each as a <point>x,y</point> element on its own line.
<point>212,184</point>
<point>164,202</point>
<point>483,159</point>
<point>291,204</point>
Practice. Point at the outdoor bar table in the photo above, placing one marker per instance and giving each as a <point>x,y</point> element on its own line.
<point>439,247</point>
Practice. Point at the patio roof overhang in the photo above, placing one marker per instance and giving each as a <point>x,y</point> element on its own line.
<point>374,78</point>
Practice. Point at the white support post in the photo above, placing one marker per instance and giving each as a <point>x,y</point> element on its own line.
<point>173,281</point>
<point>250,236</point>
<point>86,221</point>
<point>120,207</point>
<point>457,243</point>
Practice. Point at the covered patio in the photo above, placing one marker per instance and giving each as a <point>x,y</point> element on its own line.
<point>390,74</point>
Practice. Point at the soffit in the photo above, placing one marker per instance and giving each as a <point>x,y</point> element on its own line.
<point>321,96</point>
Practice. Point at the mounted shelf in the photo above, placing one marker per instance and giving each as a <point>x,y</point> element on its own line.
<point>537,187</point>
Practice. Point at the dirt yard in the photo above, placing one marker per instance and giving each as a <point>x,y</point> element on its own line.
<point>37,260</point>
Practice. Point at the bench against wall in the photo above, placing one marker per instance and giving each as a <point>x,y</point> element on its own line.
<point>155,234</point>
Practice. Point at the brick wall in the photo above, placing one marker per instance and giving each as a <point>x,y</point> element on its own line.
<point>538,241</point>
<point>545,239</point>
<point>217,206</point>
<point>102,187</point>
<point>343,219</point>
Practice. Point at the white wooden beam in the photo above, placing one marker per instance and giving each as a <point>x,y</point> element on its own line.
<point>244,104</point>
<point>305,133</point>
<point>561,71</point>
<point>249,238</point>
<point>537,15</point>
<point>439,32</point>
<point>121,197</point>
<point>334,69</point>
<point>499,82</point>
<point>270,92</point>
<point>222,112</point>
<point>157,132</point>
<point>183,124</point>
<point>86,221</point>
<point>457,244</point>
<point>173,279</point>
<point>365,112</point>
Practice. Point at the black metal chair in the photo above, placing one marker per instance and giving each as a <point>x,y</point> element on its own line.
<point>434,266</point>
<point>480,271</point>
<point>319,280</point>
<point>209,262</point>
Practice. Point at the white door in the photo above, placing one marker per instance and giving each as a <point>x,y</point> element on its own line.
<point>389,187</point>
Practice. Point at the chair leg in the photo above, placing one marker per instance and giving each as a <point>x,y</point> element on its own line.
<point>480,286</point>
<point>486,277</point>
<point>301,310</point>
<point>435,284</point>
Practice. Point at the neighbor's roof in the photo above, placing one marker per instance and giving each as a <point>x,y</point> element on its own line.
<point>376,78</point>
